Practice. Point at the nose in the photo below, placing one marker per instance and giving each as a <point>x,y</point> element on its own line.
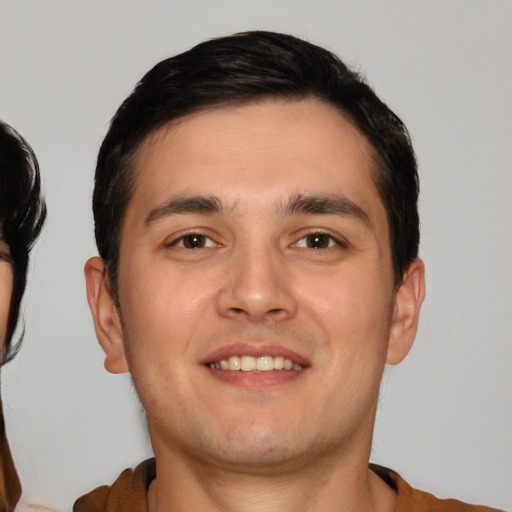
<point>257,287</point>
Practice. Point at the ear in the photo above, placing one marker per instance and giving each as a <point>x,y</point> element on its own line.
<point>408,300</point>
<point>107,322</point>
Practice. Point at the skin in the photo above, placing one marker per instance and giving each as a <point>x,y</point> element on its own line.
<point>6,285</point>
<point>258,285</point>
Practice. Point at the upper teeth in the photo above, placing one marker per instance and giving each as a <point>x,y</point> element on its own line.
<point>249,363</point>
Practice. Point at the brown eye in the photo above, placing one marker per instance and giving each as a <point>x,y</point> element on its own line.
<point>194,241</point>
<point>318,241</point>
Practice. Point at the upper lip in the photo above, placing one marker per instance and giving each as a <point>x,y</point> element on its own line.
<point>256,350</point>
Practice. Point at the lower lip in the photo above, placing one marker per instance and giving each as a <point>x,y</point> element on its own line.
<point>256,380</point>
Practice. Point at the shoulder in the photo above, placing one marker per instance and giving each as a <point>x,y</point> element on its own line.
<point>27,505</point>
<point>127,493</point>
<point>413,500</point>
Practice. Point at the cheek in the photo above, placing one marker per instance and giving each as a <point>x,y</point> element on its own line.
<point>353,309</point>
<point>164,306</point>
<point>6,285</point>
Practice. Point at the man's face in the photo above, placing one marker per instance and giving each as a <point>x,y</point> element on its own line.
<point>256,232</point>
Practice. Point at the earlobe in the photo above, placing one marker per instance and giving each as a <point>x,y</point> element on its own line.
<point>408,300</point>
<point>105,314</point>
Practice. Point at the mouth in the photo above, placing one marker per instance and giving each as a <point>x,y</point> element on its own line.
<point>256,367</point>
<point>258,364</point>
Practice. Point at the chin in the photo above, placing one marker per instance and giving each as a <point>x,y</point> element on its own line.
<point>257,447</point>
<point>258,457</point>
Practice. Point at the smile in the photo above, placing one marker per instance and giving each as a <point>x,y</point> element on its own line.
<point>255,364</point>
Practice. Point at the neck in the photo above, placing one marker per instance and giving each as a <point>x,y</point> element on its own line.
<point>326,485</point>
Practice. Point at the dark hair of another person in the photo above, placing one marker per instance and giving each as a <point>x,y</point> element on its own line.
<point>239,69</point>
<point>22,215</point>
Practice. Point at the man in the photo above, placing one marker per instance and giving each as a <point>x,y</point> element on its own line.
<point>256,216</point>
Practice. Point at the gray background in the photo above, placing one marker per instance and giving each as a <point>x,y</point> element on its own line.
<point>445,66</point>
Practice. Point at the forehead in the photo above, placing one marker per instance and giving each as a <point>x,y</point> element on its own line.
<point>270,149</point>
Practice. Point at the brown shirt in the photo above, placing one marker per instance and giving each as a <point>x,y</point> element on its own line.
<point>10,488</point>
<point>128,494</point>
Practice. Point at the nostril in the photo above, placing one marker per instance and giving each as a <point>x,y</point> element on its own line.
<point>239,300</point>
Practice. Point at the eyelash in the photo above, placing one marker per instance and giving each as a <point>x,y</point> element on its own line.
<point>332,240</point>
<point>209,242</point>
<point>180,241</point>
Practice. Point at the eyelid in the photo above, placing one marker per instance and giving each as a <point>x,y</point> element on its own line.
<point>336,238</point>
<point>176,238</point>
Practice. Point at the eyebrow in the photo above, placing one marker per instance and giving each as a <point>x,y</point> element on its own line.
<point>5,256</point>
<point>334,204</point>
<point>299,204</point>
<point>184,205</point>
